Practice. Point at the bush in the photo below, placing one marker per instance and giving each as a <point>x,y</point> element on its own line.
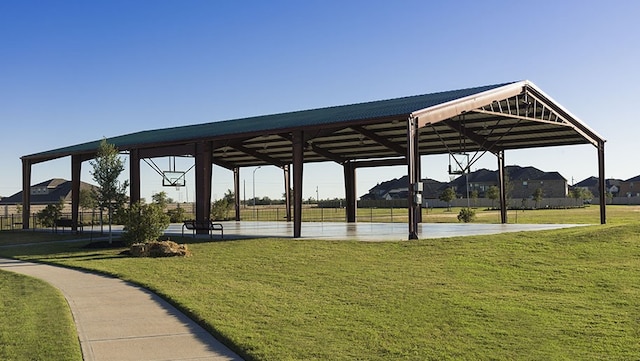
<point>220,210</point>
<point>466,215</point>
<point>50,215</point>
<point>176,215</point>
<point>144,223</point>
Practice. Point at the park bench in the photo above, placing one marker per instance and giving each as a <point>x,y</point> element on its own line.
<point>64,222</point>
<point>209,226</point>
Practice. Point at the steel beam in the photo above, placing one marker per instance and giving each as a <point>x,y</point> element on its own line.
<point>379,139</point>
<point>379,162</point>
<point>350,190</point>
<point>286,169</point>
<point>602,184</point>
<point>76,166</point>
<point>203,182</point>
<point>26,192</point>
<point>236,191</point>
<point>298,163</point>
<point>413,155</point>
<point>134,175</point>
<point>503,187</point>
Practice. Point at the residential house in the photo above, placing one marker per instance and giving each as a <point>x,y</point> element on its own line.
<point>51,191</point>
<point>630,187</point>
<point>522,182</point>
<point>397,188</point>
<point>592,184</point>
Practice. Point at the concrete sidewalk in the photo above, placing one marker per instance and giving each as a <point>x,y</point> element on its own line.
<point>119,321</point>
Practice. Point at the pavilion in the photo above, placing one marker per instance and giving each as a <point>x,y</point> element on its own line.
<point>487,119</point>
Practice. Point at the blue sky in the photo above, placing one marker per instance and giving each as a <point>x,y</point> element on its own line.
<point>77,71</point>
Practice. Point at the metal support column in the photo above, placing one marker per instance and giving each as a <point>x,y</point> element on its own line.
<point>204,169</point>
<point>503,187</point>
<point>602,186</point>
<point>298,161</point>
<point>26,193</point>
<point>287,190</point>
<point>76,166</point>
<point>134,176</point>
<point>350,191</point>
<point>236,192</point>
<point>413,156</point>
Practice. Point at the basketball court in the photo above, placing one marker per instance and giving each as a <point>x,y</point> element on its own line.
<point>371,232</point>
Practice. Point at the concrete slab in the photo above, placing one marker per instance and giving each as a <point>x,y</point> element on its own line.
<point>372,232</point>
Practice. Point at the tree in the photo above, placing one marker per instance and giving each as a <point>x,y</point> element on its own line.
<point>576,193</point>
<point>492,193</point>
<point>230,196</point>
<point>447,196</point>
<point>161,199</point>
<point>474,196</point>
<point>220,210</point>
<point>107,167</point>
<point>537,196</point>
<point>50,214</point>
<point>145,223</point>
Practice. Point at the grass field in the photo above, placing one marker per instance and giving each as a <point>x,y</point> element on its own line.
<point>571,294</point>
<point>36,323</point>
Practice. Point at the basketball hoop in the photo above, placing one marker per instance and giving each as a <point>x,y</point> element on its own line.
<point>458,163</point>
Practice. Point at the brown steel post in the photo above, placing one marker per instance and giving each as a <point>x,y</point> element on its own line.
<point>203,182</point>
<point>503,187</point>
<point>76,166</point>
<point>134,176</point>
<point>350,191</point>
<point>298,161</point>
<point>412,154</point>
<point>287,194</point>
<point>236,192</point>
<point>26,193</point>
<point>418,174</point>
<point>602,185</point>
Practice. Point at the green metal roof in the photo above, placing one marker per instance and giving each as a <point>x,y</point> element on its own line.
<point>500,116</point>
<point>269,123</point>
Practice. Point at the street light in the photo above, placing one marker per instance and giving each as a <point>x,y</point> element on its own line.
<point>254,191</point>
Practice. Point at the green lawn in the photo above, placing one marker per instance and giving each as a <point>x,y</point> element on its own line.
<point>571,294</point>
<point>36,323</point>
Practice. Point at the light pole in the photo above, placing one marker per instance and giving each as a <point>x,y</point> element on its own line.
<point>254,192</point>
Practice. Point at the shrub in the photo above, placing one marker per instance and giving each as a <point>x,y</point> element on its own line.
<point>220,210</point>
<point>144,223</point>
<point>176,215</point>
<point>466,215</point>
<point>50,214</point>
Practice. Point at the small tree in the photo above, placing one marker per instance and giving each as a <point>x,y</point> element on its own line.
<point>466,215</point>
<point>50,214</point>
<point>537,196</point>
<point>474,196</point>
<point>161,199</point>
<point>447,196</point>
<point>107,167</point>
<point>88,201</point>
<point>145,223</point>
<point>220,209</point>
<point>492,193</point>
<point>177,214</point>
<point>576,193</point>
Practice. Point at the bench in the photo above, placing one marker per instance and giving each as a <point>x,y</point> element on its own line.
<point>208,226</point>
<point>64,222</point>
